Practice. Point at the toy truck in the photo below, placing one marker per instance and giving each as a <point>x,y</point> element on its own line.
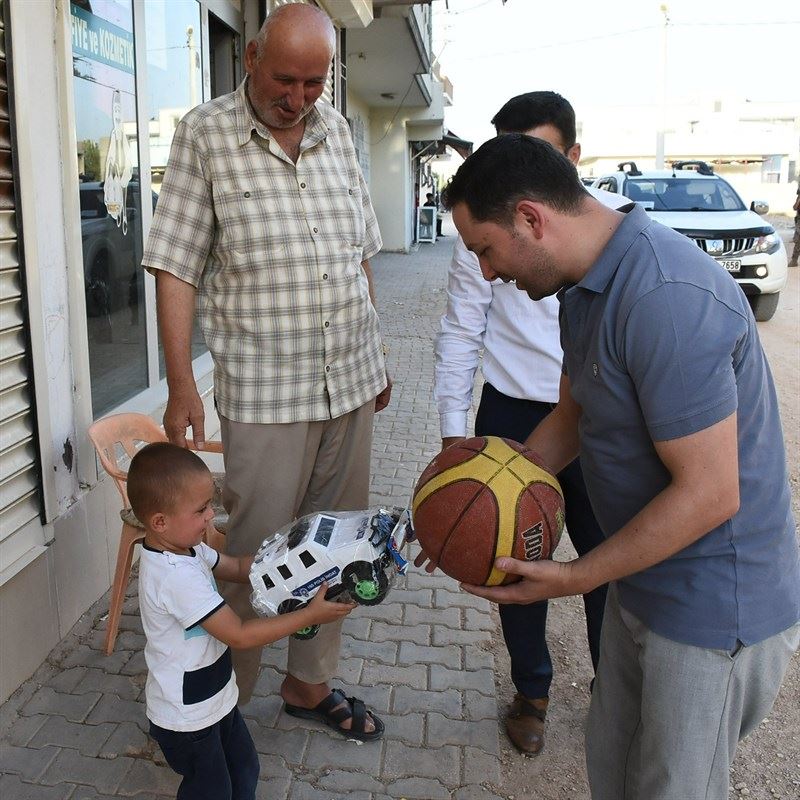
<point>356,552</point>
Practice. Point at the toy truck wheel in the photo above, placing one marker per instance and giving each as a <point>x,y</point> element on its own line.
<point>293,604</point>
<point>367,585</point>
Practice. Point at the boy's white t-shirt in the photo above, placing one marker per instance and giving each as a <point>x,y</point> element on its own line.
<point>190,680</point>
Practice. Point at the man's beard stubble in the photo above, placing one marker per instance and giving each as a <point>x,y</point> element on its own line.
<point>544,278</point>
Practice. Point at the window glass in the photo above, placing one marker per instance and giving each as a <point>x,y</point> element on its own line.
<point>307,559</point>
<point>174,86</point>
<point>104,84</point>
<point>684,194</point>
<point>610,185</point>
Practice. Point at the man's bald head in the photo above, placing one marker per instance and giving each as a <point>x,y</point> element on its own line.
<point>288,64</point>
<point>289,21</point>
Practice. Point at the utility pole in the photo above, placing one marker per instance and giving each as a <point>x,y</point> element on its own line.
<point>663,109</point>
<point>192,63</point>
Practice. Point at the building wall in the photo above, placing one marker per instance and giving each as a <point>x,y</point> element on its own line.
<point>734,136</point>
<point>49,594</point>
<point>393,167</point>
<point>358,115</point>
<point>80,526</point>
<point>79,531</point>
<point>390,179</point>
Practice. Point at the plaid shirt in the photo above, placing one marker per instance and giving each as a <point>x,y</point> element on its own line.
<point>275,250</point>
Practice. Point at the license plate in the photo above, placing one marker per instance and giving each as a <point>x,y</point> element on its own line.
<point>732,265</point>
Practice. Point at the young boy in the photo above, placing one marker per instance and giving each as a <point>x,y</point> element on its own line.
<point>191,687</point>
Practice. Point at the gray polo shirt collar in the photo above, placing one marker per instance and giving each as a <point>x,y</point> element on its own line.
<point>602,271</point>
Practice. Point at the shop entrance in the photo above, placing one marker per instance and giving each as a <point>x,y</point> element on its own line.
<point>224,56</point>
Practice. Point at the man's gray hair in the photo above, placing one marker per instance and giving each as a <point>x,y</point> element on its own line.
<point>277,14</point>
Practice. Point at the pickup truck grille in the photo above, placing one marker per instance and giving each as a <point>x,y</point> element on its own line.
<point>730,247</point>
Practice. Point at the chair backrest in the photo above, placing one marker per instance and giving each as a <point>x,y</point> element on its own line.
<point>126,431</point>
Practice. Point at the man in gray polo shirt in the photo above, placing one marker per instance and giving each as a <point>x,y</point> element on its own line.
<point>667,397</point>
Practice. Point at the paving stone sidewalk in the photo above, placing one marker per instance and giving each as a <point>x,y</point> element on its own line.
<point>76,729</point>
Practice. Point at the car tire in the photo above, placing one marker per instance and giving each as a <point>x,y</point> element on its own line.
<point>764,305</point>
<point>367,584</point>
<point>293,604</point>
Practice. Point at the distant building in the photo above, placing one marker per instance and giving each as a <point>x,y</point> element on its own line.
<point>755,146</point>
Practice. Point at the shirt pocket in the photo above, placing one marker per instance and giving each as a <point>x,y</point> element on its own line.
<point>342,214</point>
<point>253,224</point>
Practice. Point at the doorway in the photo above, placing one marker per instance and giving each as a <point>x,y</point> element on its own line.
<point>224,56</point>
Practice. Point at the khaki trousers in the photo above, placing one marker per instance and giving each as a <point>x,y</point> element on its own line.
<point>273,474</point>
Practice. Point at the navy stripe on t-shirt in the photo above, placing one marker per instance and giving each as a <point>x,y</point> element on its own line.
<point>202,684</point>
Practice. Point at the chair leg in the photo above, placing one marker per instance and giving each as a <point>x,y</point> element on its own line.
<point>122,573</point>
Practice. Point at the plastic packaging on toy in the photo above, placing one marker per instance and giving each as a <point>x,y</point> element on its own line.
<point>356,552</point>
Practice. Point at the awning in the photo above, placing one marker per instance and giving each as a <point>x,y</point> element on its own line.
<point>437,147</point>
<point>461,146</point>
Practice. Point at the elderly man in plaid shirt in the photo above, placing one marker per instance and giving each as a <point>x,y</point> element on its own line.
<point>264,223</point>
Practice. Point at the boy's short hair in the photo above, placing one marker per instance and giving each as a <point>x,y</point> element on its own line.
<point>158,475</point>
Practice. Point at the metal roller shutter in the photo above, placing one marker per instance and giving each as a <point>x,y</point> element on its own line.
<point>20,492</point>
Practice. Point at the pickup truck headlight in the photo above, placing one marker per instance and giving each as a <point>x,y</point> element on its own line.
<point>767,244</point>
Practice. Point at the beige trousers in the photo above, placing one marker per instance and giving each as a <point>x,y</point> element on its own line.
<point>273,474</point>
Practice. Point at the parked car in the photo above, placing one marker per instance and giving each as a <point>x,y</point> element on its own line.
<point>693,200</point>
<point>111,253</point>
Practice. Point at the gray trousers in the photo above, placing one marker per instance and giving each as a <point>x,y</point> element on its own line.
<point>665,717</point>
<point>273,474</point>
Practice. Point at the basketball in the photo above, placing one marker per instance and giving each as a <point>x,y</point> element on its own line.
<point>484,498</point>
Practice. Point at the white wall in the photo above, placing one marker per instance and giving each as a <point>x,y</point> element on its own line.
<point>390,179</point>
<point>358,111</point>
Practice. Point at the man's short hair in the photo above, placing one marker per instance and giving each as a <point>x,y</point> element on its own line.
<point>532,109</point>
<point>510,168</point>
<point>158,475</point>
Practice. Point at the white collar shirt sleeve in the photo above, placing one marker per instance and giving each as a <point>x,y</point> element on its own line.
<point>519,338</point>
<point>460,340</point>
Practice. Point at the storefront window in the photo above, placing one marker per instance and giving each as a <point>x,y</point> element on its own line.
<point>174,81</point>
<point>110,200</point>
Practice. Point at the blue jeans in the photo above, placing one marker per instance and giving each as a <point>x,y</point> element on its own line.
<point>217,763</point>
<point>524,625</point>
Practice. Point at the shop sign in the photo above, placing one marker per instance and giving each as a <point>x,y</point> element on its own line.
<point>99,40</point>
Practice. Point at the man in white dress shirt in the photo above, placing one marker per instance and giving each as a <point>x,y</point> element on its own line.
<point>522,369</point>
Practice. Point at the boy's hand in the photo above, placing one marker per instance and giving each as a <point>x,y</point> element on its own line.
<point>322,610</point>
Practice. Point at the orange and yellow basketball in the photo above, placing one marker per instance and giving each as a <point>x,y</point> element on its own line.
<point>484,498</point>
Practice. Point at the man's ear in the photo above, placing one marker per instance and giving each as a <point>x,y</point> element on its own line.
<point>250,56</point>
<point>533,216</point>
<point>574,153</point>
